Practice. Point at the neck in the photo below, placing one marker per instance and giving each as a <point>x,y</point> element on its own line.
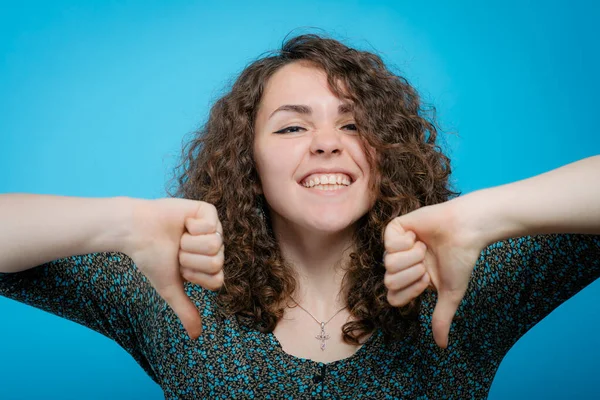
<point>318,259</point>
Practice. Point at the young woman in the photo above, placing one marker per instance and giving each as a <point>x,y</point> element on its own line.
<point>313,247</point>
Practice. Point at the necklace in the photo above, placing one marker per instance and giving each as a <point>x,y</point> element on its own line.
<point>322,336</point>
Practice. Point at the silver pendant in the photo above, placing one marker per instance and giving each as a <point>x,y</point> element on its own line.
<point>322,336</point>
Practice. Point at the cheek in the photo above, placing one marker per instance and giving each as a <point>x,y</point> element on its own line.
<point>360,153</point>
<point>278,162</point>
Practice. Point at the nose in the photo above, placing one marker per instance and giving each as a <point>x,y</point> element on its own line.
<point>326,141</point>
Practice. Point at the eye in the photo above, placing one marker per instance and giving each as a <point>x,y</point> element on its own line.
<point>295,129</point>
<point>290,129</point>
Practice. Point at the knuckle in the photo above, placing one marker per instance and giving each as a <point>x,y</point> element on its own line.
<point>395,300</point>
<point>398,301</point>
<point>215,265</point>
<point>387,280</point>
<point>394,284</point>
<point>184,238</point>
<point>212,207</point>
<point>214,245</point>
<point>183,259</point>
<point>214,282</point>
<point>419,268</point>
<point>396,263</point>
<point>208,284</point>
<point>422,249</point>
<point>391,299</point>
<point>187,275</point>
<point>219,278</point>
<point>425,281</point>
<point>208,206</point>
<point>417,290</point>
<point>189,223</point>
<point>211,225</point>
<point>397,243</point>
<point>186,241</point>
<point>402,302</point>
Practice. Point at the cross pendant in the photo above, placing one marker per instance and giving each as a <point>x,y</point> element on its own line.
<point>322,336</point>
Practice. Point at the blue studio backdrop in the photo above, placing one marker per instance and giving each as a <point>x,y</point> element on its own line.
<point>96,97</point>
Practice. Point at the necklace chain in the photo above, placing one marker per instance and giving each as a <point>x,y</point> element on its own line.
<point>318,322</point>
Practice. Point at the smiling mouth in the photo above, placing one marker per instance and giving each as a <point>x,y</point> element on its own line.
<point>326,187</point>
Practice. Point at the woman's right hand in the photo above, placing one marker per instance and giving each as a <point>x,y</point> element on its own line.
<point>174,240</point>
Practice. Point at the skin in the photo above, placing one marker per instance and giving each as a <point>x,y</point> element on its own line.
<point>314,231</point>
<point>563,200</point>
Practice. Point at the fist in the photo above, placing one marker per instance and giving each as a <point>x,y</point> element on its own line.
<point>173,240</point>
<point>201,250</point>
<point>444,257</point>
<point>404,259</point>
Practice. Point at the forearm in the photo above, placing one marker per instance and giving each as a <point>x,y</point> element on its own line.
<point>35,229</point>
<point>564,200</point>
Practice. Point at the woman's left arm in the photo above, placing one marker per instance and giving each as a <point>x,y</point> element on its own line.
<point>456,233</point>
<point>564,200</point>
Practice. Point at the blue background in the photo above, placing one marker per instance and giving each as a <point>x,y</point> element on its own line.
<point>96,96</point>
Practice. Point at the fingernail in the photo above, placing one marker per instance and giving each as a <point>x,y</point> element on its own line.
<point>193,336</point>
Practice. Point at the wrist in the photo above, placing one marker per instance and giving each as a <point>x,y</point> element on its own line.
<point>120,225</point>
<point>488,215</point>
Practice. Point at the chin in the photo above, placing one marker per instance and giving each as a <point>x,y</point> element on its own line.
<point>331,226</point>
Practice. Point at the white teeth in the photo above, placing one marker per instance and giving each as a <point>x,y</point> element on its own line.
<point>329,187</point>
<point>331,179</point>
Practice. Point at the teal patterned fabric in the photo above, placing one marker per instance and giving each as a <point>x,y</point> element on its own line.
<point>515,283</point>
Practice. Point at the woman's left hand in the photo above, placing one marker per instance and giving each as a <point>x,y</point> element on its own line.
<point>452,247</point>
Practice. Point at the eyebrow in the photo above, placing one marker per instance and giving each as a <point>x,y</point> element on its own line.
<point>343,108</point>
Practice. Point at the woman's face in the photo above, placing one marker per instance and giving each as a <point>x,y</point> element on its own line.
<point>304,133</point>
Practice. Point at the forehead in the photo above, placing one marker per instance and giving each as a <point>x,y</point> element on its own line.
<point>295,83</point>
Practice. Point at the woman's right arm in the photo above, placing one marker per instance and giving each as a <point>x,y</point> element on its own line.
<point>62,255</point>
<point>169,241</point>
<point>36,229</point>
<point>112,264</point>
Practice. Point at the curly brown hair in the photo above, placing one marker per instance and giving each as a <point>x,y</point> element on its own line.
<point>411,172</point>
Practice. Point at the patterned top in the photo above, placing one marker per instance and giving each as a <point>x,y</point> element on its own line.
<point>515,284</point>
